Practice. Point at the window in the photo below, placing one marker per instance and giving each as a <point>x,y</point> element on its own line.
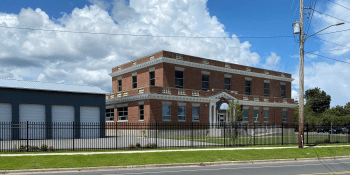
<point>119,85</point>
<point>256,113</point>
<point>266,115</point>
<point>141,112</point>
<point>205,82</point>
<point>284,116</point>
<point>195,113</point>
<point>266,89</point>
<point>181,113</point>
<point>227,83</point>
<point>283,91</point>
<point>122,113</point>
<point>134,81</point>
<point>109,114</point>
<point>179,79</point>
<point>245,115</point>
<point>151,78</point>
<point>247,87</point>
<point>166,112</point>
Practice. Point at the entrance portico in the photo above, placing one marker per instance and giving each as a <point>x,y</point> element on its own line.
<point>218,108</point>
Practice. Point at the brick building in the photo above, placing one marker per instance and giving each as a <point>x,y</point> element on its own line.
<point>172,87</point>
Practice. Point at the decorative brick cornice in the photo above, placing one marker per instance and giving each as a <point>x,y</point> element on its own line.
<point>198,65</point>
<point>211,99</point>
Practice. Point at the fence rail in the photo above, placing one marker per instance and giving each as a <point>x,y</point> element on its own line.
<point>31,136</point>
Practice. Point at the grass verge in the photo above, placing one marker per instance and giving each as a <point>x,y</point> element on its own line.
<point>41,162</point>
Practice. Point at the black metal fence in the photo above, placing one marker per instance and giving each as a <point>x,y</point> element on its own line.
<point>31,136</point>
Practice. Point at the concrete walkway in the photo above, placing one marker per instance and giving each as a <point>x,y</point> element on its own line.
<point>157,151</point>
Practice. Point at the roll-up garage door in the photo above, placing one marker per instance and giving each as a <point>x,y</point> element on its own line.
<point>5,121</point>
<point>35,115</point>
<point>62,118</point>
<point>89,122</point>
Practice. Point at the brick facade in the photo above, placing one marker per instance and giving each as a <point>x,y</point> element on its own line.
<point>192,82</point>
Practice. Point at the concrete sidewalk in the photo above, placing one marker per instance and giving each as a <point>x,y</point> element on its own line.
<point>158,151</point>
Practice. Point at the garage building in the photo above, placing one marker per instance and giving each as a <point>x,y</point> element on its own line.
<point>51,107</point>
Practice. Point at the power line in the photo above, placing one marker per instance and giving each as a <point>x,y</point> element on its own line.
<point>339,4</point>
<point>307,31</point>
<point>138,35</point>
<point>334,32</point>
<point>330,16</point>
<point>331,42</point>
<point>328,57</point>
<point>332,49</point>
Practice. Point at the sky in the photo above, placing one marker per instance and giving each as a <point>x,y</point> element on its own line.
<point>78,42</point>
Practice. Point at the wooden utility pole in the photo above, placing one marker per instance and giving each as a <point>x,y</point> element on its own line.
<point>301,77</point>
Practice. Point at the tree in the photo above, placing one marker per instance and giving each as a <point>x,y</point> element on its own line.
<point>317,101</point>
<point>235,114</point>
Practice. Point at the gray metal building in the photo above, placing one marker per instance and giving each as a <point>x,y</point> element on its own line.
<point>49,103</point>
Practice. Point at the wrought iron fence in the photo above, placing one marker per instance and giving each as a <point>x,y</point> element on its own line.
<point>30,136</point>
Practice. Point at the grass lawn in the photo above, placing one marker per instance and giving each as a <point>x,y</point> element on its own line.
<point>39,162</point>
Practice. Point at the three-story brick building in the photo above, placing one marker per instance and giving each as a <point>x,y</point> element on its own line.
<point>172,87</point>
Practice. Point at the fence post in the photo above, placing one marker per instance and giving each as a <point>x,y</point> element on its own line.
<point>254,133</point>
<point>116,135</point>
<point>224,134</point>
<point>192,134</point>
<point>27,137</point>
<point>73,134</point>
<point>282,133</point>
<point>157,134</point>
<point>307,133</point>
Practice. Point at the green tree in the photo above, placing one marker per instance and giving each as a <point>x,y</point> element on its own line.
<point>317,101</point>
<point>235,114</point>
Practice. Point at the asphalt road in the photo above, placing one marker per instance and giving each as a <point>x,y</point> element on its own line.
<point>342,166</point>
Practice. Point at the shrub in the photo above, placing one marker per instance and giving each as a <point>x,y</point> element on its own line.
<point>131,146</point>
<point>51,148</point>
<point>138,145</point>
<point>33,148</point>
<point>44,147</point>
<point>151,145</point>
<point>22,147</point>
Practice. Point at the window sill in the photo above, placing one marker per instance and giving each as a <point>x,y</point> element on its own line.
<point>120,121</point>
<point>181,120</point>
<point>141,121</point>
<point>195,121</point>
<point>109,121</point>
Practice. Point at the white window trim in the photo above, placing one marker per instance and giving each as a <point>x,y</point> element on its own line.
<point>122,105</point>
<point>181,103</point>
<point>141,103</point>
<point>119,78</point>
<point>248,78</point>
<point>166,103</point>
<point>205,72</point>
<point>282,83</point>
<point>134,74</point>
<point>256,108</point>
<point>227,76</point>
<point>179,69</point>
<point>266,81</point>
<point>152,69</point>
<point>196,104</point>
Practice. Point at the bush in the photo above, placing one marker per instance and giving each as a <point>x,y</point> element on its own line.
<point>151,145</point>
<point>138,145</point>
<point>131,146</point>
<point>33,148</point>
<point>51,148</point>
<point>22,147</point>
<point>44,147</point>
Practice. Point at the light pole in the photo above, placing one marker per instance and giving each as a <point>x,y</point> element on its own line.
<point>299,29</point>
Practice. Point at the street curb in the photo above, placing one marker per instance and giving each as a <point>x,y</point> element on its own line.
<point>129,167</point>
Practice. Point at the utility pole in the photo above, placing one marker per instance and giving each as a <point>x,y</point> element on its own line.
<point>301,77</point>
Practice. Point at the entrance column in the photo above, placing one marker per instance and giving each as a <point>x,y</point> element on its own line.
<point>210,114</point>
<point>215,115</point>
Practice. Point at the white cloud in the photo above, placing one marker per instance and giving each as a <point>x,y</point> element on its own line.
<point>332,78</point>
<point>295,94</point>
<point>271,61</point>
<point>88,58</point>
<point>322,21</point>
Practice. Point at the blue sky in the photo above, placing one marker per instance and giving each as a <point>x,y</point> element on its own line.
<point>87,59</point>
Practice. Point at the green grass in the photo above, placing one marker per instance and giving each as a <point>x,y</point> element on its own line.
<point>39,162</point>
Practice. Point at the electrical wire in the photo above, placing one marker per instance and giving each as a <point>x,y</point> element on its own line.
<point>138,35</point>
<point>328,57</point>
<point>311,19</point>
<point>330,16</point>
<point>333,32</point>
<point>331,42</point>
<point>339,4</point>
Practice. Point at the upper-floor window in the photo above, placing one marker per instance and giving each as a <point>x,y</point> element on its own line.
<point>248,84</point>
<point>122,113</point>
<point>119,85</point>
<point>245,115</point>
<point>283,91</point>
<point>179,79</point>
<point>266,89</point>
<point>134,81</point>
<point>110,114</point>
<point>151,78</point>
<point>141,112</point>
<point>205,82</point>
<point>266,115</point>
<point>227,83</point>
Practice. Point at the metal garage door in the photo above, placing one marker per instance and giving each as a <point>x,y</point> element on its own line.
<point>5,121</point>
<point>62,118</point>
<point>90,121</point>
<point>35,115</point>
